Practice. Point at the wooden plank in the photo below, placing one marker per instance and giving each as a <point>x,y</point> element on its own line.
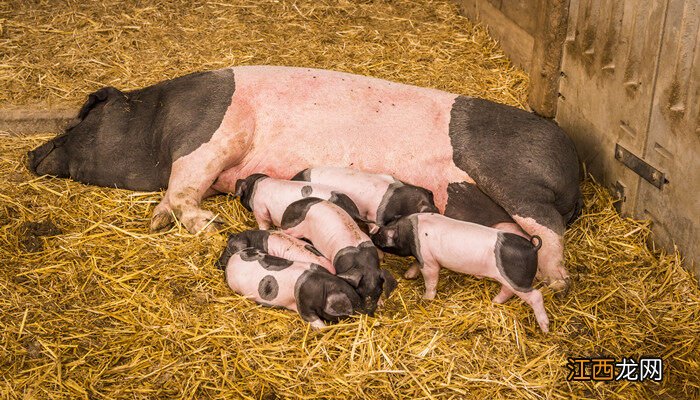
<point>516,42</point>
<point>609,64</point>
<point>524,13</point>
<point>673,142</point>
<point>546,56</point>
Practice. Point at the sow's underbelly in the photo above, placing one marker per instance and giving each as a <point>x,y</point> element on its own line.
<point>307,117</point>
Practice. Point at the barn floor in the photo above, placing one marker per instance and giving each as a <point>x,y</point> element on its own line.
<point>94,306</point>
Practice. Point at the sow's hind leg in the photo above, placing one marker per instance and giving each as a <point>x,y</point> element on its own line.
<point>527,165</point>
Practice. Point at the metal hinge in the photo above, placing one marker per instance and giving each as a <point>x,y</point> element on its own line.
<point>640,167</point>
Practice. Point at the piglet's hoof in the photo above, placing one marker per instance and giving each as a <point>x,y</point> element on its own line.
<point>317,325</point>
<point>412,272</point>
<point>429,296</point>
<point>162,221</point>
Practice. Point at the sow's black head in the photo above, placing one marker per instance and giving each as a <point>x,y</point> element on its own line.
<point>245,189</point>
<point>359,266</point>
<point>77,153</point>
<point>130,139</point>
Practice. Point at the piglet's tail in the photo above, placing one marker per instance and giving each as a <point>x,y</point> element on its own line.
<point>539,242</point>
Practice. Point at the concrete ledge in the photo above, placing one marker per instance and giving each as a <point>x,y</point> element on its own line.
<point>28,120</point>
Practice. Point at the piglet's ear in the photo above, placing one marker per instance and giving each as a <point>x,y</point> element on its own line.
<point>389,282</point>
<point>427,207</point>
<point>338,305</point>
<point>230,249</point>
<point>241,187</point>
<point>353,277</point>
<point>391,236</point>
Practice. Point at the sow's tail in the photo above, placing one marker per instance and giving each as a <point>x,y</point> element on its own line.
<point>539,242</point>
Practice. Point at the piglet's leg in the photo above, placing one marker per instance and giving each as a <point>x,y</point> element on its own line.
<point>431,272</point>
<point>263,219</point>
<point>317,324</point>
<point>413,271</point>
<point>503,295</point>
<point>534,299</point>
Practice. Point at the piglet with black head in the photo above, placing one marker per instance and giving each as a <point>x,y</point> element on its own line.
<point>437,241</point>
<point>274,243</point>
<point>380,198</point>
<point>268,197</point>
<point>307,288</point>
<point>333,232</point>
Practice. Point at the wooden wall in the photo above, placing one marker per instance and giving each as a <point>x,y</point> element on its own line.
<point>622,78</point>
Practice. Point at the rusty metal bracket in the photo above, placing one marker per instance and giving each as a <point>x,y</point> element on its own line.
<point>640,167</point>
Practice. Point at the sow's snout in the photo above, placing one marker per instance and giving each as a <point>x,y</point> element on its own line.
<point>48,159</point>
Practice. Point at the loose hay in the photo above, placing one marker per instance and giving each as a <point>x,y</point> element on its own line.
<point>96,307</point>
<point>59,54</point>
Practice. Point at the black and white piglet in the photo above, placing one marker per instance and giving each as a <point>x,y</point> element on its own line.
<point>278,244</point>
<point>307,288</point>
<point>380,198</point>
<point>268,197</point>
<point>437,241</point>
<point>333,232</point>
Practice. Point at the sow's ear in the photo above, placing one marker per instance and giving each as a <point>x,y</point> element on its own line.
<point>97,98</point>
<point>389,282</point>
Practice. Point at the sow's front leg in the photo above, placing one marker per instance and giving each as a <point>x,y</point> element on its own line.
<point>192,175</point>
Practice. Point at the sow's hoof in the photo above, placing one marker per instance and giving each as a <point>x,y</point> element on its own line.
<point>201,221</point>
<point>195,221</point>
<point>162,221</point>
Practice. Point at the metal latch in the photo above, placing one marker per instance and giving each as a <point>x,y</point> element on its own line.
<point>640,167</point>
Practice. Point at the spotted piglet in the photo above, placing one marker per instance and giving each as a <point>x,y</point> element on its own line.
<point>333,232</point>
<point>278,244</point>
<point>438,241</point>
<point>307,288</point>
<point>380,198</point>
<point>268,197</point>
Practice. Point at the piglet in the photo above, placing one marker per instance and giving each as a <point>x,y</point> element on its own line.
<point>278,244</point>
<point>268,197</point>
<point>306,288</point>
<point>380,198</point>
<point>438,241</point>
<point>333,232</point>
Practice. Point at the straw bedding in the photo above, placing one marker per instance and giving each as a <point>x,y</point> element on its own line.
<point>94,306</point>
